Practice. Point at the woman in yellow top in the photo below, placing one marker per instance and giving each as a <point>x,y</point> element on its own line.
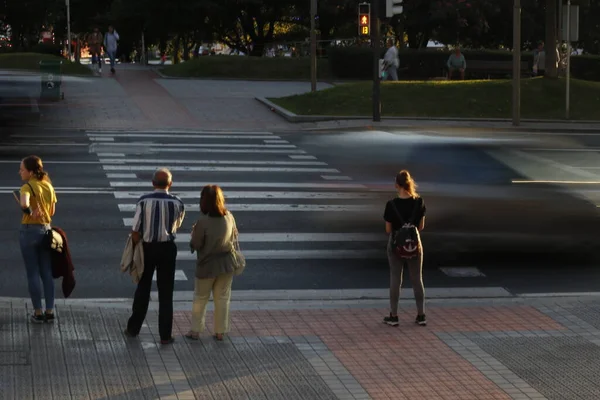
<point>37,199</point>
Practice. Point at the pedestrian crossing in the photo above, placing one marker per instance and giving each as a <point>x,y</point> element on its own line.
<point>288,204</point>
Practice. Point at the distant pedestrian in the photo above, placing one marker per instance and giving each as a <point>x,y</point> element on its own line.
<point>391,61</point>
<point>158,215</point>
<point>456,63</point>
<point>38,201</point>
<point>95,41</point>
<point>215,239</point>
<point>404,218</point>
<point>111,40</point>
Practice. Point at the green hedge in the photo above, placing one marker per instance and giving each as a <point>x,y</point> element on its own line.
<point>356,63</point>
<point>586,67</point>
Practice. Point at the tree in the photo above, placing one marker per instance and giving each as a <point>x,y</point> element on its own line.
<point>27,19</point>
<point>247,25</point>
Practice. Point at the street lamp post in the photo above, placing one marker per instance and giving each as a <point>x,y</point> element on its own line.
<point>516,89</point>
<point>313,46</point>
<point>68,28</point>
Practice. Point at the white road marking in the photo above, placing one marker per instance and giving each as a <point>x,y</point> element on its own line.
<point>201,162</point>
<point>302,157</point>
<point>578,149</point>
<point>261,195</point>
<point>18,145</point>
<point>558,182</point>
<point>154,150</point>
<point>241,184</point>
<point>193,208</point>
<point>336,178</point>
<point>179,275</point>
<point>120,176</point>
<point>180,168</point>
<point>300,254</point>
<point>276,207</point>
<point>202,145</point>
<point>185,136</point>
<point>70,191</point>
<point>285,237</point>
<point>270,141</point>
<point>462,272</point>
<point>102,139</point>
<point>108,155</point>
<point>173,131</point>
<point>55,162</point>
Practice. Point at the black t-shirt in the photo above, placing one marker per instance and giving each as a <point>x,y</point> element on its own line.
<point>406,208</point>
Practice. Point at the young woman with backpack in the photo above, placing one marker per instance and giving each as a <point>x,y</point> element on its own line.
<point>404,218</point>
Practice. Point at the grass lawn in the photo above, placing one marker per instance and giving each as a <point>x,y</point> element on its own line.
<point>243,67</point>
<point>540,98</point>
<point>31,62</point>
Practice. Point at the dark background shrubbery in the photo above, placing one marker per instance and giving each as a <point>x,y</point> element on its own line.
<point>352,63</point>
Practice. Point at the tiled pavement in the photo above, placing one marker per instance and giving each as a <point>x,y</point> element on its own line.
<point>503,349</point>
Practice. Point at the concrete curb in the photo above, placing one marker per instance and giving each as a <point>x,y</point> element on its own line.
<point>302,295</point>
<point>295,118</point>
<point>238,303</point>
<point>224,78</point>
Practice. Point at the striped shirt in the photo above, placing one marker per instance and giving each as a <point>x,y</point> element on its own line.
<point>158,215</point>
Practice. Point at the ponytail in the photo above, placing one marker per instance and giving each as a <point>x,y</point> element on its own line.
<point>35,166</point>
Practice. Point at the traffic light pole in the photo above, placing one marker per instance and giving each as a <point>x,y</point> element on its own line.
<point>375,10</point>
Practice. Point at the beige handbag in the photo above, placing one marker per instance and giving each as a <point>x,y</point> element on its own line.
<point>239,259</point>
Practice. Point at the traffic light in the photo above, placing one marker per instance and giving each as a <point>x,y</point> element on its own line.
<point>364,19</point>
<point>393,7</point>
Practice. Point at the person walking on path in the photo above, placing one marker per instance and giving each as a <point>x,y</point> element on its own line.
<point>391,61</point>
<point>158,215</point>
<point>110,44</point>
<point>95,41</point>
<point>38,201</point>
<point>404,218</point>
<point>214,238</point>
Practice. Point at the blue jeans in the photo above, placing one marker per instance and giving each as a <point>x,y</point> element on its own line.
<point>112,55</point>
<point>38,263</point>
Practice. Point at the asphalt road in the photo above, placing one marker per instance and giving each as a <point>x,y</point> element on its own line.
<point>309,205</point>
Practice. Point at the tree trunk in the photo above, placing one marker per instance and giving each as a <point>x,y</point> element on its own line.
<point>551,36</point>
<point>176,48</point>
<point>258,48</point>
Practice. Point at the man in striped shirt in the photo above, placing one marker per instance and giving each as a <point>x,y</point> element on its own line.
<point>158,215</point>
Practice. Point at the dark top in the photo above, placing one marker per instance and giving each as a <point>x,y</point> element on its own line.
<point>406,208</point>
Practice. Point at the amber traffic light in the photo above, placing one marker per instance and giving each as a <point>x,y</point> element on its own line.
<point>364,19</point>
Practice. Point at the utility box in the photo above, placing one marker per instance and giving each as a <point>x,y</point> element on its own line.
<point>51,80</point>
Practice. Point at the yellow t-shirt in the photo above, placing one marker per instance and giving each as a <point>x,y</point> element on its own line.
<point>44,195</point>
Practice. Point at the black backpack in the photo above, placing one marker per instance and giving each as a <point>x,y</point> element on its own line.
<point>405,241</point>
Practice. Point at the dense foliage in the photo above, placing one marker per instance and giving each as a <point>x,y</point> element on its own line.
<point>251,25</point>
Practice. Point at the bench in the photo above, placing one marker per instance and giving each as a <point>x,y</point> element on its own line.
<point>494,68</point>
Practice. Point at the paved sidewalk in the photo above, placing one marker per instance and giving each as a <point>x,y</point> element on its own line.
<point>137,98</point>
<point>492,349</point>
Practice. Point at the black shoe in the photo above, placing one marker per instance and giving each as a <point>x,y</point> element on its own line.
<point>391,321</point>
<point>128,334</point>
<point>112,70</point>
<point>38,319</point>
<point>420,320</point>
<point>168,341</point>
<point>49,317</point>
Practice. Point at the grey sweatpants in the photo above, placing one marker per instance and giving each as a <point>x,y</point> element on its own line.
<point>415,269</point>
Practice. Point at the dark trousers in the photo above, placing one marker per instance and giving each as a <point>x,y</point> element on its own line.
<point>162,257</point>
